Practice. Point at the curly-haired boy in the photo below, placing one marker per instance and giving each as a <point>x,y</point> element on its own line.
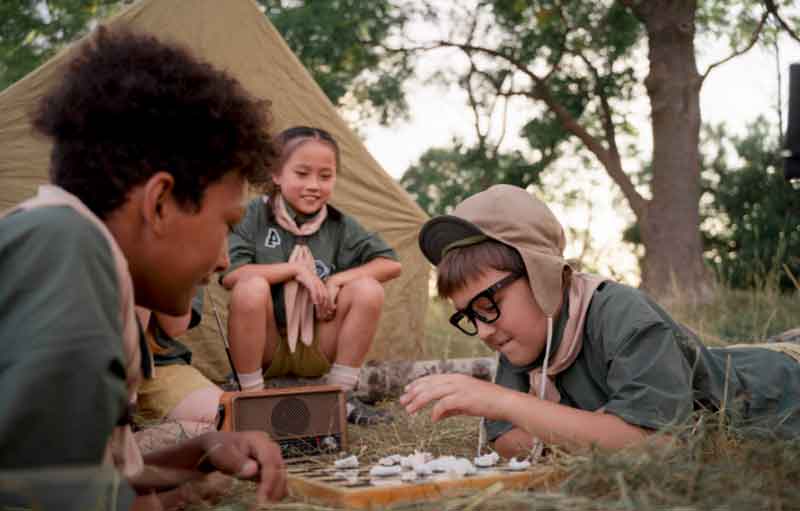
<point>152,150</point>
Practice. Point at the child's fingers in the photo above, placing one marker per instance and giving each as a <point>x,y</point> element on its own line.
<point>446,407</point>
<point>423,395</point>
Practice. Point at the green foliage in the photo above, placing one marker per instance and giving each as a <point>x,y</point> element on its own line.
<point>582,49</point>
<point>443,177</point>
<point>734,21</point>
<point>33,30</point>
<point>341,43</point>
<point>759,211</point>
<point>739,315</point>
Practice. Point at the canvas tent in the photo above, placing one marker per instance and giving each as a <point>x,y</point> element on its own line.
<point>234,35</point>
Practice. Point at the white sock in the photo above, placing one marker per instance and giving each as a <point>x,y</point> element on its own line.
<point>252,381</point>
<point>346,377</point>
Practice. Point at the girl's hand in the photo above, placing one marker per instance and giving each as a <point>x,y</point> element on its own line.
<point>308,279</point>
<point>456,394</point>
<point>332,288</point>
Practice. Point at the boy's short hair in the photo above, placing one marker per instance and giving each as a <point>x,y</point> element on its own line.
<point>463,264</point>
<point>129,106</point>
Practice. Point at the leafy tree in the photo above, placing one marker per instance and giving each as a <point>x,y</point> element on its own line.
<point>33,30</point>
<point>573,65</point>
<point>339,41</point>
<point>444,177</point>
<point>759,212</point>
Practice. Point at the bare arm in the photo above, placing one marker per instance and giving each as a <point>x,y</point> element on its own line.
<point>272,273</point>
<point>457,394</point>
<point>246,455</point>
<point>559,424</point>
<point>381,269</point>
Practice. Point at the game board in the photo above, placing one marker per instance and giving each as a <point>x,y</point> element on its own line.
<point>354,488</point>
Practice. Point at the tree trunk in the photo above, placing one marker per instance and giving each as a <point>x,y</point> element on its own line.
<point>673,263</point>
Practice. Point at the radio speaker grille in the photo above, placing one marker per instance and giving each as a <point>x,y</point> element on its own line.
<point>289,416</point>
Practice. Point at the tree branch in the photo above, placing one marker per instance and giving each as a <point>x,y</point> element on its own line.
<point>753,40</point>
<point>473,103</point>
<point>614,164</point>
<point>505,117</point>
<point>773,9</point>
<point>541,92</point>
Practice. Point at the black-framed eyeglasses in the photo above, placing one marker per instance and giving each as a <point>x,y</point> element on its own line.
<point>466,319</point>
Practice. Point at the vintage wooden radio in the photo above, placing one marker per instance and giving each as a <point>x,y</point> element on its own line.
<point>302,420</point>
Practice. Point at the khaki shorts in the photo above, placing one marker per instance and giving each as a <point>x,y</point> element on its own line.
<point>159,395</point>
<point>305,362</point>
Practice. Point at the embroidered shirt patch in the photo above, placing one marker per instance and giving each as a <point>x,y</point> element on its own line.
<point>273,239</point>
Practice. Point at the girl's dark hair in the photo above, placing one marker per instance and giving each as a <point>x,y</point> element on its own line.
<point>460,265</point>
<point>129,106</point>
<point>287,142</point>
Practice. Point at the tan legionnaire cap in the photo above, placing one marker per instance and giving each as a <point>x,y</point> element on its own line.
<point>512,216</point>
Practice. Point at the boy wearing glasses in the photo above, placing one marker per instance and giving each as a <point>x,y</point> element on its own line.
<point>582,360</point>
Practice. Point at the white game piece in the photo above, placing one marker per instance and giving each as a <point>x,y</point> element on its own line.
<point>461,466</point>
<point>418,458</point>
<point>388,461</point>
<point>384,471</point>
<point>487,460</point>
<point>423,469</point>
<point>408,475</point>
<point>451,465</point>
<point>441,463</point>
<point>349,462</point>
<point>514,464</point>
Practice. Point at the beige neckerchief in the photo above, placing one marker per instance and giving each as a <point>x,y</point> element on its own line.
<point>581,289</point>
<point>121,449</point>
<point>299,308</point>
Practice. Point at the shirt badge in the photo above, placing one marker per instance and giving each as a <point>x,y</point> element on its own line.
<point>273,239</point>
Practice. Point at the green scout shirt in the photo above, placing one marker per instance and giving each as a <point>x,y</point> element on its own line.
<point>62,367</point>
<point>639,364</point>
<point>340,244</point>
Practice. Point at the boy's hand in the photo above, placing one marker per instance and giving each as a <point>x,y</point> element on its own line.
<point>455,394</point>
<point>249,455</point>
<point>207,490</point>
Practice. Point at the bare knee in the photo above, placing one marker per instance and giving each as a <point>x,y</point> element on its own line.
<point>251,296</point>
<point>364,292</point>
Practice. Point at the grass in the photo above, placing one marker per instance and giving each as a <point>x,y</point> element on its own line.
<point>714,467</point>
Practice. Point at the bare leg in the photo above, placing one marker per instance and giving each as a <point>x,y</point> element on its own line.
<point>252,332</point>
<point>347,338</point>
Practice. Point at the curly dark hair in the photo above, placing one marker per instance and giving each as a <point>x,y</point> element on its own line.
<point>130,106</point>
